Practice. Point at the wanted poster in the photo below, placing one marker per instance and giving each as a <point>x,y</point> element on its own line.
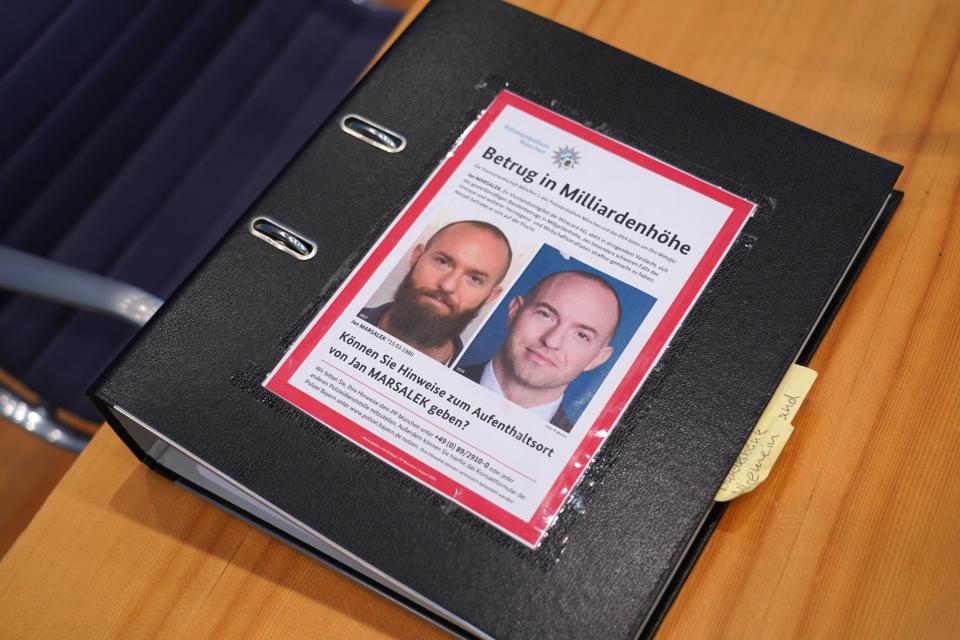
<point>490,340</point>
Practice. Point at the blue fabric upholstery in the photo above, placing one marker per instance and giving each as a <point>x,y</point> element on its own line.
<point>135,133</point>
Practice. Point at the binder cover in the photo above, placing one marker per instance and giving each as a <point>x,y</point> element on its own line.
<point>187,395</point>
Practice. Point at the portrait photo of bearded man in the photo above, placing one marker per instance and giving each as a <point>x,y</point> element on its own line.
<point>451,277</point>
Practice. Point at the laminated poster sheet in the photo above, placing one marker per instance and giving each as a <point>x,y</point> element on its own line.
<point>492,337</point>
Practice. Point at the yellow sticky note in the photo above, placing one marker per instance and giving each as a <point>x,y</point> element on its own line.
<point>790,394</point>
<point>765,443</point>
<point>756,459</point>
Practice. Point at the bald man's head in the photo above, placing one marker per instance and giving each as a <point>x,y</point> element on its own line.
<point>561,328</point>
<point>452,276</point>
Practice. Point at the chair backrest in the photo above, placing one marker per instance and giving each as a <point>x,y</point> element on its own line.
<point>135,133</point>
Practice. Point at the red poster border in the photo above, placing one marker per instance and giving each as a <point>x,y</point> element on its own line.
<point>529,531</point>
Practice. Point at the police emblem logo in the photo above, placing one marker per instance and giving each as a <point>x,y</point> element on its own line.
<point>566,157</point>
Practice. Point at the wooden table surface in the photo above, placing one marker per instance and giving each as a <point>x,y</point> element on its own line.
<point>857,532</point>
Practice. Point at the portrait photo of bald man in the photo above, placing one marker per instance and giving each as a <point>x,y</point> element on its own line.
<point>562,326</point>
<point>450,277</point>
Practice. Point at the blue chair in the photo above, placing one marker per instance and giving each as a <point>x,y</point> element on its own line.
<point>135,133</point>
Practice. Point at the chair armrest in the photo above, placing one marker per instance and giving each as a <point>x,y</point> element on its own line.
<point>41,278</point>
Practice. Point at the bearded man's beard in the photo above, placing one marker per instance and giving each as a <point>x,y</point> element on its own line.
<point>418,324</point>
